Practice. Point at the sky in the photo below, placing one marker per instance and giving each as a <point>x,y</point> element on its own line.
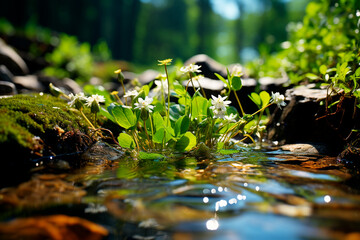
<point>229,9</point>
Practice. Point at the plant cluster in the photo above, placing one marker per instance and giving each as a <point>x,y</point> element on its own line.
<point>152,122</point>
<point>323,49</point>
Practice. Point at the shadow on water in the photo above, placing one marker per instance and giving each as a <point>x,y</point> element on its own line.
<point>237,195</point>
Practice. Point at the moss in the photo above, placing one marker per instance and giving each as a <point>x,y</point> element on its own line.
<point>31,126</point>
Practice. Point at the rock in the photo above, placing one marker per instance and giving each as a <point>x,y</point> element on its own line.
<point>53,227</point>
<point>128,76</point>
<point>207,83</point>
<point>351,154</point>
<point>29,82</point>
<point>208,66</point>
<point>12,60</point>
<point>71,85</point>
<point>306,93</point>
<point>306,148</point>
<point>41,190</point>
<point>270,84</point>
<point>148,76</point>
<point>95,81</point>
<point>5,74</point>
<point>305,120</point>
<point>7,88</point>
<point>67,85</point>
<point>35,127</point>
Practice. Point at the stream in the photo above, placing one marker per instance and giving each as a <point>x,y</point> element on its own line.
<point>244,194</point>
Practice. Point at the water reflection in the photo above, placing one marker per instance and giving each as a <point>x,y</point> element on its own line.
<point>252,195</point>
<point>327,198</point>
<point>212,224</point>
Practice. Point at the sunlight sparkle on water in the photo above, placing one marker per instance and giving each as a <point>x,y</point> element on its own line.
<point>327,198</point>
<point>212,224</point>
<point>205,199</point>
<point>232,201</point>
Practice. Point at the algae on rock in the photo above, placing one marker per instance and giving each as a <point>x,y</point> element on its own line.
<point>32,126</point>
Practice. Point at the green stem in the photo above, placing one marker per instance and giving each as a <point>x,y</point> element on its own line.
<point>168,107</point>
<point>123,87</point>
<point>147,134</point>
<point>136,140</point>
<point>261,109</point>
<point>238,100</point>
<point>87,120</point>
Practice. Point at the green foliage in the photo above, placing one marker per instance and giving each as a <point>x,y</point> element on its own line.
<point>123,116</point>
<point>154,124</point>
<point>70,59</point>
<point>126,141</point>
<point>323,49</point>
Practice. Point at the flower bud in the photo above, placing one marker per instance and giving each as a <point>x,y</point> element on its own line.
<point>144,114</point>
<point>95,107</point>
<point>55,90</point>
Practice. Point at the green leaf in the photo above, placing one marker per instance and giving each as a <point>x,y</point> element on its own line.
<point>123,116</point>
<point>357,72</point>
<point>228,151</point>
<point>106,114</point>
<point>236,83</point>
<point>158,121</point>
<point>220,145</point>
<point>255,98</point>
<point>126,141</point>
<point>265,98</point>
<point>222,79</point>
<point>164,134</point>
<point>199,107</point>
<point>177,110</point>
<point>186,142</point>
<point>179,89</point>
<point>182,125</point>
<point>311,76</point>
<point>323,69</point>
<point>150,156</point>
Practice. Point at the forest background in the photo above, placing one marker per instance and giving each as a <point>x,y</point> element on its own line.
<point>142,31</point>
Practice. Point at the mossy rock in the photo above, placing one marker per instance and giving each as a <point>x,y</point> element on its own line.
<point>33,126</point>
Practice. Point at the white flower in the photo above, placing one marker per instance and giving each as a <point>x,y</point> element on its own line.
<point>219,103</point>
<point>278,99</point>
<point>219,113</point>
<point>131,93</point>
<point>237,71</point>
<point>161,84</point>
<point>96,98</point>
<point>191,68</point>
<point>144,104</point>
<point>231,117</point>
<point>78,97</point>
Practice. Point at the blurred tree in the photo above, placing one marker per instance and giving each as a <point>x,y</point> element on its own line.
<point>145,30</point>
<point>272,29</point>
<point>205,28</point>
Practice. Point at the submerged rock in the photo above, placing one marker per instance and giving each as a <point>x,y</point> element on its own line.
<point>40,191</point>
<point>54,227</point>
<point>306,148</point>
